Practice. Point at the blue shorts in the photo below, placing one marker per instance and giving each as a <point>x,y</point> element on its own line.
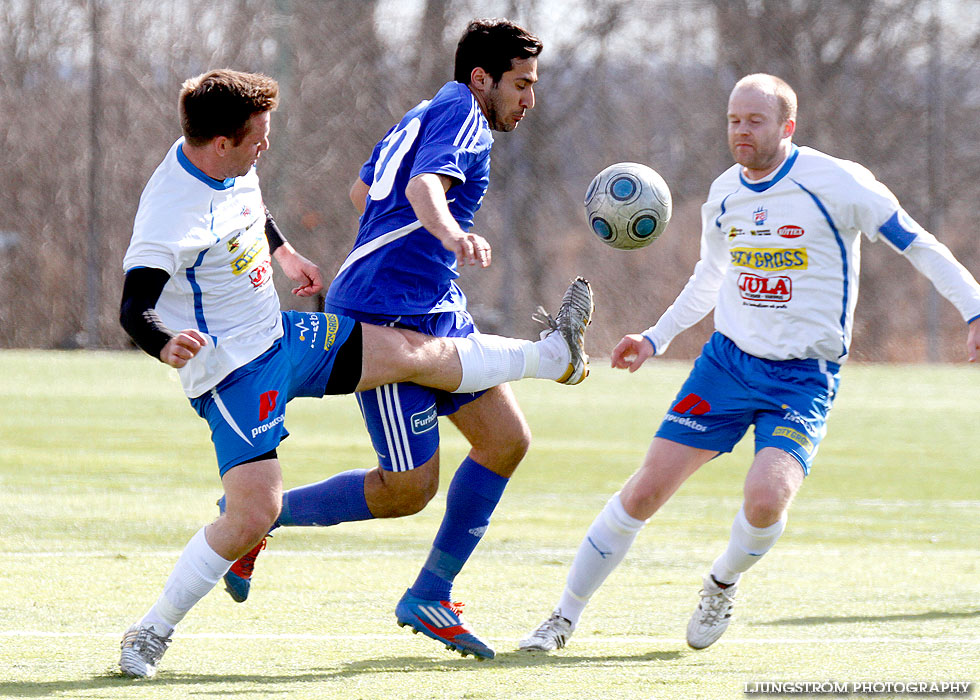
<point>728,390</point>
<point>247,409</point>
<point>403,419</point>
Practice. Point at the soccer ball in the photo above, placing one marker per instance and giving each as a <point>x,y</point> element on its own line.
<point>628,205</point>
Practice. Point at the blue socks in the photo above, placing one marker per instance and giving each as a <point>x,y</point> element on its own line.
<point>472,497</point>
<point>339,499</point>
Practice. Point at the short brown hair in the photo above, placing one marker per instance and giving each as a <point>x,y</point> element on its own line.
<point>492,44</point>
<point>778,89</point>
<point>220,103</point>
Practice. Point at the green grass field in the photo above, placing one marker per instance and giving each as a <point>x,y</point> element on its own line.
<point>106,472</point>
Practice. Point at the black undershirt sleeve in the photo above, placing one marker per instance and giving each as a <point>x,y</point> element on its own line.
<point>141,291</point>
<point>272,232</point>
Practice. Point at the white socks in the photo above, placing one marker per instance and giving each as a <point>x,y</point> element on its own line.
<point>197,571</point>
<point>611,535</point>
<point>745,548</point>
<point>489,360</point>
<point>606,543</point>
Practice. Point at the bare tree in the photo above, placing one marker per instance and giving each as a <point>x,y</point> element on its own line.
<point>643,80</point>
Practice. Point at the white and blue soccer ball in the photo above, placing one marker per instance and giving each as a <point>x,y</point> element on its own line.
<point>628,205</point>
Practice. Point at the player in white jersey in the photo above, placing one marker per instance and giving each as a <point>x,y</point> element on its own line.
<point>200,260</point>
<point>779,266</point>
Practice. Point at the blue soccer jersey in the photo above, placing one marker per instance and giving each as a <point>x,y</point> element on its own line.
<point>396,266</point>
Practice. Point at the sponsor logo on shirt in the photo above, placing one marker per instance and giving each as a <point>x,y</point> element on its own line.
<point>233,243</point>
<point>771,259</point>
<point>734,232</point>
<point>244,261</point>
<point>261,274</point>
<point>424,421</point>
<point>756,288</point>
<point>790,231</point>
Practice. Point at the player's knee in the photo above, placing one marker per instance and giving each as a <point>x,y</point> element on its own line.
<point>407,353</point>
<point>514,449</point>
<point>763,507</point>
<point>415,502</point>
<point>503,450</point>
<point>410,495</point>
<point>247,532</point>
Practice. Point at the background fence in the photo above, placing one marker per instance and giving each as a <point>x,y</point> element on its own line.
<point>88,105</point>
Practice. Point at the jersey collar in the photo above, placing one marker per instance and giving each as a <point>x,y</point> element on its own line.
<point>780,174</point>
<point>187,165</point>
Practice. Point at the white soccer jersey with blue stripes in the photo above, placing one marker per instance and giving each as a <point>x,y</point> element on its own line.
<point>780,258</point>
<point>209,236</point>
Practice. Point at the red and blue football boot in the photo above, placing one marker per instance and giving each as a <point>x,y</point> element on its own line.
<point>440,620</point>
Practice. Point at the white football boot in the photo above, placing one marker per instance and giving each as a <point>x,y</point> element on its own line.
<point>550,635</point>
<point>574,316</point>
<point>142,650</point>
<point>714,612</point>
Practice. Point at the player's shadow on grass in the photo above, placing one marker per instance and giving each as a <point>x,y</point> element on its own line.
<point>510,659</point>
<point>507,658</point>
<point>254,683</point>
<point>900,617</point>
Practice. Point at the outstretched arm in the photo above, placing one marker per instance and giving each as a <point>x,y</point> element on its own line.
<point>934,260</point>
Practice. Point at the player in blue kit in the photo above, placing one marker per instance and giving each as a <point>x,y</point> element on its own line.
<point>200,262</point>
<point>781,231</point>
<point>418,193</point>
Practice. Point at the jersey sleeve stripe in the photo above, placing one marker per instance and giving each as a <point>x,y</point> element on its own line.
<point>467,125</point>
<point>896,234</point>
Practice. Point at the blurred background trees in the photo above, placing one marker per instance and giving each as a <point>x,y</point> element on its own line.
<point>88,104</point>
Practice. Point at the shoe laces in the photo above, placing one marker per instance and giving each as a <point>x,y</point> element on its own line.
<point>542,316</point>
<point>150,645</point>
<point>577,297</point>
<point>554,625</point>
<point>247,563</point>
<point>455,607</point>
<point>716,605</point>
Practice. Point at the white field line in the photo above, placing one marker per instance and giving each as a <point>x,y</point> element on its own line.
<point>665,641</point>
<point>561,552</point>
